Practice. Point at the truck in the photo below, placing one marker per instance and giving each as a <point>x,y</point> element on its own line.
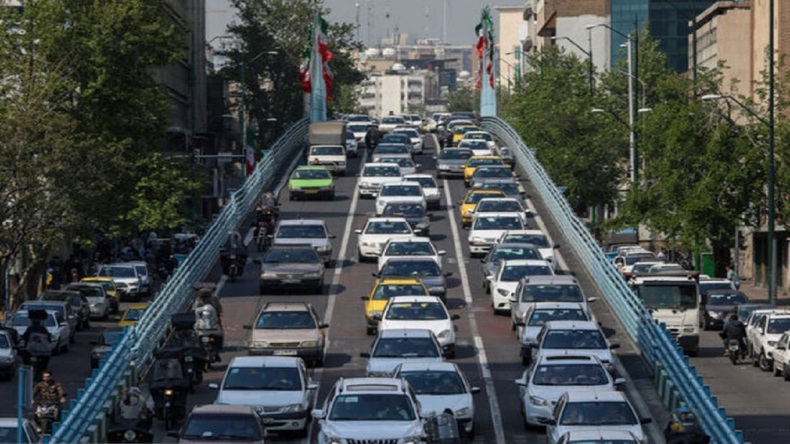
<point>673,299</point>
<point>327,142</point>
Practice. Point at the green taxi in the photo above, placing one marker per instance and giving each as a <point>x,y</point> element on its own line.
<point>311,181</point>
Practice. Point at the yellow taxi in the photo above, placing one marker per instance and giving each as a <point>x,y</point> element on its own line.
<point>109,288</point>
<point>468,205</point>
<point>133,314</point>
<point>475,161</point>
<point>458,133</point>
<point>385,289</point>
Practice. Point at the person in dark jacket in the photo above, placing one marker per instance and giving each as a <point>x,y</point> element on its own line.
<point>734,329</point>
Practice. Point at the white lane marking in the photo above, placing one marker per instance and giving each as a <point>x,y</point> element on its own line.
<point>496,414</point>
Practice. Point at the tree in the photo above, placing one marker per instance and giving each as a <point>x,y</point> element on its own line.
<point>463,99</point>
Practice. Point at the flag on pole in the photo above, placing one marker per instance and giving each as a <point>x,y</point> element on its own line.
<point>485,50</point>
<point>304,71</point>
<point>249,151</point>
<point>319,44</point>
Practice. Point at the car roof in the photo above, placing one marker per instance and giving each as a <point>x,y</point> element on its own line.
<point>388,164</point>
<point>418,175</point>
<point>302,222</point>
<point>525,262</point>
<point>137,305</point>
<point>549,305</point>
<point>224,408</point>
<point>394,259</point>
<point>514,245</point>
<point>599,434</point>
<point>401,299</point>
<point>286,306</point>
<point>559,279</point>
<point>595,395</point>
<point>568,360</point>
<point>571,325</point>
<point>497,214</point>
<point>372,384</point>
<point>313,167</point>
<point>398,281</point>
<point>387,219</point>
<point>264,361</point>
<point>442,366</point>
<point>405,333</point>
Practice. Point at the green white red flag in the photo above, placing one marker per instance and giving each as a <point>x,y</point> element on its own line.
<point>485,49</point>
<point>318,52</point>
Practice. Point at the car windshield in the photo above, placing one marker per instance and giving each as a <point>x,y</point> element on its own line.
<point>401,190</point>
<point>311,173</point>
<point>401,161</point>
<point>705,287</point>
<point>512,273</point>
<point>381,171</point>
<point>508,188</point>
<point>395,138</point>
<point>88,291</point>
<point>425,182</point>
<point>428,311</point>
<point>4,342</point>
<point>640,268</point>
<point>479,136</point>
<point>386,227</point>
<point>595,413</point>
<point>117,272</point>
<point>386,291</point>
<point>430,382</point>
<point>393,120</point>
<point>372,407</point>
<point>538,240</point>
<point>285,320</point>
<point>405,348</point>
<point>455,154</point>
<point>541,316</point>
<point>511,253</point>
<point>473,144</point>
<point>575,374</point>
<point>291,256</point>
<point>21,319</point>
<point>631,259</point>
<point>574,339</point>
<point>358,128</point>
<point>262,378</point>
<point>411,268</point>
<point>409,249</point>
<point>551,293</point>
<point>498,223</point>
<point>493,172</point>
<point>667,296</point>
<point>408,133</point>
<point>221,427</point>
<point>404,209</point>
<point>133,314</point>
<point>392,149</point>
<point>499,206</point>
<point>301,232</point>
<point>727,299</point>
<point>476,197</point>
<point>328,151</point>
<point>483,161</point>
<point>778,325</point>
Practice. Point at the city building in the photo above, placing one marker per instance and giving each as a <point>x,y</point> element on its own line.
<point>718,37</point>
<point>513,31</point>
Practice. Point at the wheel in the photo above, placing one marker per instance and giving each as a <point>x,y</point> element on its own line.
<point>764,363</point>
<point>786,374</point>
<point>290,196</point>
<point>371,330</point>
<point>777,372</point>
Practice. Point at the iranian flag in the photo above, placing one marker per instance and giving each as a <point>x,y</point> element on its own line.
<point>485,54</point>
<point>317,53</point>
<point>304,71</point>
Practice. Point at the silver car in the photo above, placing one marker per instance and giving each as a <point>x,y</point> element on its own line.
<point>291,267</point>
<point>423,268</point>
<point>305,231</point>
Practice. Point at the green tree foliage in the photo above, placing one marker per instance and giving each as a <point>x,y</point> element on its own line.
<point>463,99</point>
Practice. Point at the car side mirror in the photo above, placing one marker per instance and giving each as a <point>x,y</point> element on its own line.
<point>474,390</point>
<point>433,157</point>
<point>441,253</point>
<point>332,236</point>
<point>364,355</point>
<point>592,299</point>
<point>375,275</point>
<point>455,317</point>
<point>523,382</point>
<point>619,381</point>
<point>317,413</point>
<point>322,326</point>
<point>64,324</point>
<point>358,231</point>
<point>213,386</point>
<point>513,299</point>
<point>614,346</point>
<point>547,421</point>
<point>781,347</point>
<point>556,246</point>
<point>365,298</point>
<point>645,420</point>
<point>440,186</point>
<point>247,327</point>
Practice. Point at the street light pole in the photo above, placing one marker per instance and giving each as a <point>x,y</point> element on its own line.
<point>243,106</point>
<point>585,52</point>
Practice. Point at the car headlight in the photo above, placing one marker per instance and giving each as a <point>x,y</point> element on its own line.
<point>464,412</point>
<point>294,188</point>
<point>772,343</point>
<point>308,344</point>
<point>504,292</point>
<point>689,329</point>
<point>6,359</point>
<point>292,408</point>
<point>444,334</point>
<point>413,440</point>
<point>476,240</point>
<point>537,400</point>
<point>258,344</point>
<point>312,275</point>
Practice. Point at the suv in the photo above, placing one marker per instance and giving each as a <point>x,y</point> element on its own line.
<point>305,231</point>
<point>146,279</point>
<point>78,302</point>
<point>288,329</point>
<point>765,336</point>
<point>382,410</point>
<point>126,278</point>
<point>278,387</point>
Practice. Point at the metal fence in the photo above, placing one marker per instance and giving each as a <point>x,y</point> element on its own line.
<point>85,420</point>
<point>658,347</point>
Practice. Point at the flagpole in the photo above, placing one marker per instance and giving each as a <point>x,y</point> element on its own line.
<point>318,86</point>
<point>487,92</point>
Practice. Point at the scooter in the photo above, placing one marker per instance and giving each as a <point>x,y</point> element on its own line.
<point>46,413</point>
<point>734,350</point>
<point>233,256</point>
<point>210,332</point>
<point>169,388</point>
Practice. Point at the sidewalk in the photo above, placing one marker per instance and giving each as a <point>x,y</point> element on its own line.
<point>759,295</point>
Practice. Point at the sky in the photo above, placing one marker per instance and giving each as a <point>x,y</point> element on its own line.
<point>380,18</point>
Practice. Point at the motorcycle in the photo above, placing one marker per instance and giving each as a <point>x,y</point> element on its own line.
<point>131,430</point>
<point>261,235</point>
<point>46,413</point>
<point>184,344</point>
<point>734,351</point>
<point>210,332</point>
<point>233,256</point>
<point>169,386</point>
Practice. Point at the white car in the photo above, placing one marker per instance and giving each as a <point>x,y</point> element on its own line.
<point>388,123</point>
<point>126,278</point>
<point>482,135</point>
<point>146,279</point>
<point>403,312</point>
<point>504,280</point>
<point>333,157</point>
<point>502,205</point>
<point>535,237</point>
<point>573,338</point>
<point>370,410</point>
<point>305,231</point>
<point>594,410</point>
<point>430,189</point>
<point>557,288</point>
<point>542,384</point>
<point>395,346</point>
<point>412,247</point>
<point>598,435</point>
<point>414,136</point>
<point>374,175</point>
<point>781,356</point>
<point>440,386</point>
<point>478,147</point>
<point>400,192</point>
<point>359,130</point>
<point>8,357</point>
<point>541,312</point>
<point>278,387</point>
<point>406,163</point>
<point>352,144</point>
<point>765,336</point>
<point>55,323</point>
<point>486,228</point>
<point>391,150</point>
<point>754,318</point>
<point>377,232</point>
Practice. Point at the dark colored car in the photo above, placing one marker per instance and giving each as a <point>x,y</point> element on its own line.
<point>293,266</point>
<point>717,305</point>
<point>414,213</point>
<point>425,269</point>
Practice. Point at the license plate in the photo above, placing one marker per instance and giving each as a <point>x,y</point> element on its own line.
<point>291,281</point>
<point>311,192</point>
<point>733,347</point>
<point>285,352</point>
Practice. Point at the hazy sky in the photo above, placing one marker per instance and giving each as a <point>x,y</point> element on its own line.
<point>379,18</point>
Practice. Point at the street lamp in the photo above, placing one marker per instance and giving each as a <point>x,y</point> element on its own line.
<point>632,133</point>
<point>585,52</point>
<point>243,87</point>
<point>771,185</point>
<point>509,67</point>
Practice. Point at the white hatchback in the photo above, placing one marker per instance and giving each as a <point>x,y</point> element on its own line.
<point>428,312</point>
<point>377,232</point>
<point>505,279</point>
<point>374,175</point>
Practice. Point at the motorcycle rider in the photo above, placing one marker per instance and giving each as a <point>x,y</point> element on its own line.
<point>206,297</point>
<point>208,310</point>
<point>734,329</point>
<point>132,405</point>
<point>38,343</point>
<point>48,390</point>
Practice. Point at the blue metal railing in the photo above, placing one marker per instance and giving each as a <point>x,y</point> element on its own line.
<point>656,343</point>
<point>136,349</point>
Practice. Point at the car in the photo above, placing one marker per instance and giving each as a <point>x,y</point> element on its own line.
<point>403,312</point>
<point>502,205</point>
<point>8,356</point>
<point>504,280</point>
<point>104,344</point>
<point>99,303</point>
<point>77,301</point>
<point>221,423</point>
<point>377,231</point>
<point>477,161</point>
<point>414,138</point>
<point>490,173</point>
<point>278,387</point>
<point>509,186</point>
<point>452,162</point>
<point>598,436</point>
<point>387,149</point>
<point>413,120</point>
<point>331,157</point>
<point>716,305</point>
<point>133,313</point>
<point>288,329</point>
<point>501,251</point>
<point>127,280</point>
<point>352,144</point>
<point>359,130</point>
<point>396,139</point>
<point>64,310</point>
<point>423,268</point>
<point>414,212</point>
<point>146,278</point>
<point>486,228</point>
<point>594,409</point>
<point>54,322</point>
<point>508,158</point>
<point>754,318</point>
<point>482,135</point>
<point>535,237</point>
<point>406,163</point>
<point>398,191</point>
<point>557,288</point>
<point>370,410</point>
<point>9,428</point>
<point>292,266</point>
<point>744,310</point>
<point>109,287</point>
<point>394,346</point>
<point>311,181</point>
<point>374,175</point>
<point>641,268</point>
<point>542,384</point>
<point>458,133</point>
<point>765,336</point>
<point>541,312</point>
<point>478,147</point>
<point>571,338</point>
<point>440,386</point>
<point>466,207</point>
<point>388,123</point>
<point>630,257</point>
<point>430,189</point>
<point>384,289</point>
<point>781,356</point>
<point>305,231</point>
<point>413,247</point>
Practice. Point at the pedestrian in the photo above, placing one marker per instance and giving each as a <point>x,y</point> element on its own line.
<point>662,254</point>
<point>733,276</point>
